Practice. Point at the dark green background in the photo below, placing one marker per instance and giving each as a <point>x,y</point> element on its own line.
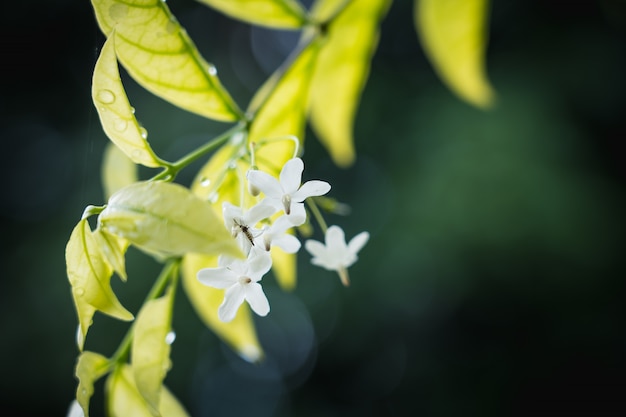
<point>493,283</point>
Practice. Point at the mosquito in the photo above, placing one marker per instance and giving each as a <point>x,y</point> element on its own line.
<point>240,227</point>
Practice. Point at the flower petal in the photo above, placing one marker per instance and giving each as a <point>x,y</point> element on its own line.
<point>226,260</point>
<point>291,175</point>
<point>230,212</point>
<point>266,183</point>
<point>315,248</point>
<point>297,216</point>
<point>257,299</point>
<point>258,265</point>
<point>288,243</point>
<point>347,260</point>
<point>324,263</point>
<point>335,239</point>
<point>357,242</point>
<point>233,297</point>
<point>238,267</point>
<point>257,213</point>
<point>310,189</point>
<point>217,277</point>
<point>276,204</point>
<point>280,226</point>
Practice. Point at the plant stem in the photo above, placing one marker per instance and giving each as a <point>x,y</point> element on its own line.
<point>317,214</point>
<point>170,172</point>
<point>169,270</point>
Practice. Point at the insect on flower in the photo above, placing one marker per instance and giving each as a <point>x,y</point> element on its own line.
<point>240,227</point>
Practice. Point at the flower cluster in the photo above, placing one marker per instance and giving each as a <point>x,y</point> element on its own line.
<point>240,278</point>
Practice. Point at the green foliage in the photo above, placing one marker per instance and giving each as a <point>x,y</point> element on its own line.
<point>341,71</point>
<point>116,115</point>
<point>166,219</point>
<point>157,52</point>
<point>90,276</point>
<point>321,81</point>
<point>454,36</point>
<point>114,249</point>
<point>89,368</point>
<point>288,14</point>
<point>150,350</point>
<point>124,398</point>
<point>280,105</point>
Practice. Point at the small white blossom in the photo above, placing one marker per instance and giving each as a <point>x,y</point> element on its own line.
<point>287,194</point>
<point>276,235</point>
<point>336,255</point>
<point>240,279</point>
<point>242,224</point>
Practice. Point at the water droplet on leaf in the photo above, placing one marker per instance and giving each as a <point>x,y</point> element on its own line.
<point>79,291</point>
<point>106,96</point>
<point>238,138</point>
<point>120,124</point>
<point>205,182</point>
<point>143,132</point>
<point>170,337</point>
<point>212,70</point>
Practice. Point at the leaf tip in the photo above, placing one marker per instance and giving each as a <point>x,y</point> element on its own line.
<point>251,353</point>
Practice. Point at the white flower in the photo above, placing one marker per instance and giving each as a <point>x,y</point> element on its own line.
<point>276,235</point>
<point>336,255</point>
<point>240,280</point>
<point>242,224</point>
<point>287,194</point>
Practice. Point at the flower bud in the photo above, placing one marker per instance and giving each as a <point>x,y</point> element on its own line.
<point>252,189</point>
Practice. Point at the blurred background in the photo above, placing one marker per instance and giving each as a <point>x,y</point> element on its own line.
<point>494,279</point>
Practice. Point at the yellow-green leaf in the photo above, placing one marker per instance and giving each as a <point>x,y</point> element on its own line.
<point>113,248</point>
<point>287,14</point>
<point>453,34</point>
<point>239,333</point>
<point>90,276</point>
<point>118,170</point>
<point>124,399</point>
<point>222,178</point>
<point>89,368</point>
<point>157,52</point>
<point>167,219</point>
<point>116,114</point>
<point>85,312</point>
<point>341,72</point>
<point>280,107</point>
<point>150,351</point>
